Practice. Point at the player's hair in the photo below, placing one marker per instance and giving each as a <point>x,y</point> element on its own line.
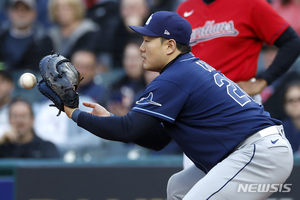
<point>77,6</point>
<point>183,48</point>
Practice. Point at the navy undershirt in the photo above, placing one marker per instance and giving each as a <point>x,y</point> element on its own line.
<point>142,129</point>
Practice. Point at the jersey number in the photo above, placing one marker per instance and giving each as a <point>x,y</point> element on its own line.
<point>232,91</point>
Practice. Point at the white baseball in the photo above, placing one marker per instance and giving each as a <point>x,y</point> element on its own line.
<point>28,80</point>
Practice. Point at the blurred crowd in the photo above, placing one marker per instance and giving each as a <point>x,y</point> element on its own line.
<point>94,36</point>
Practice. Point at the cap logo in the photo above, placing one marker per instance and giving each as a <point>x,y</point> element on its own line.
<point>148,20</point>
<point>166,24</point>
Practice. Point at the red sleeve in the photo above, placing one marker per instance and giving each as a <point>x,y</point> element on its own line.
<point>266,22</point>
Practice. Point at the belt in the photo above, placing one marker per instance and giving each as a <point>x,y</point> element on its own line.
<point>271,130</point>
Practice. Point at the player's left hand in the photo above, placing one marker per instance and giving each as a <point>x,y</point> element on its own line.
<point>253,87</point>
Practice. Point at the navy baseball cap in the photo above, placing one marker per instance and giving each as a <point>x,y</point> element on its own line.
<point>166,24</point>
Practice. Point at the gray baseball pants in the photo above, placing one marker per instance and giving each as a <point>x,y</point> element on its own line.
<point>257,168</point>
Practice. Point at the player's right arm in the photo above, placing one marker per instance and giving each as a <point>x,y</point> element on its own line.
<point>155,139</point>
<point>142,129</point>
<point>289,49</point>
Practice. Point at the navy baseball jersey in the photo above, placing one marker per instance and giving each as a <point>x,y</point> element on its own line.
<point>206,125</point>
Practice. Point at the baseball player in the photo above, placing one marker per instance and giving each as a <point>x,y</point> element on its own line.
<point>230,40</point>
<point>228,136</point>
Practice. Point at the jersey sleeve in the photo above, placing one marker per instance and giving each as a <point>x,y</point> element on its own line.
<point>266,22</point>
<point>162,99</point>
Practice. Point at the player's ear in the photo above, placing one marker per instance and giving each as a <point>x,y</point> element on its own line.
<point>171,46</point>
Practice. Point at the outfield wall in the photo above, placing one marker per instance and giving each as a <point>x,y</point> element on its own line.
<point>132,180</point>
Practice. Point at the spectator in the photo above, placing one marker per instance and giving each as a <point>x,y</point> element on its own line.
<point>231,41</point>
<point>86,63</point>
<point>20,141</point>
<point>42,12</point>
<point>6,92</point>
<point>60,131</point>
<point>72,31</point>
<point>123,92</point>
<point>23,43</point>
<point>132,12</point>
<point>292,109</point>
<point>106,15</point>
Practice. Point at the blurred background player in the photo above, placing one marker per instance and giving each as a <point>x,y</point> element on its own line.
<point>20,140</point>
<point>230,42</point>
<point>238,36</point>
<point>272,94</point>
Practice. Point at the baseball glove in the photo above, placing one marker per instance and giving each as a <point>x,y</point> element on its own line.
<point>60,81</point>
